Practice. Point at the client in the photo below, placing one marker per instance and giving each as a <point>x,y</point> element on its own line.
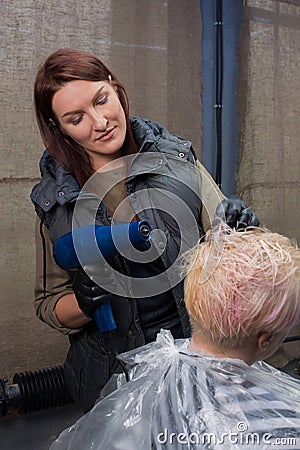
<point>242,292</point>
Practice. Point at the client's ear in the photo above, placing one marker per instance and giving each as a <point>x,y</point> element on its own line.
<point>264,347</point>
<point>263,341</point>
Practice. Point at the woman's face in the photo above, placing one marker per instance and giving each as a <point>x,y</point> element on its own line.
<point>90,113</point>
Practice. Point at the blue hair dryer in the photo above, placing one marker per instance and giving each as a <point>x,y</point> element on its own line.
<point>81,247</point>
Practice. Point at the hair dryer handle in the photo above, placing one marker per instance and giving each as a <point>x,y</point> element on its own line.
<point>104,318</point>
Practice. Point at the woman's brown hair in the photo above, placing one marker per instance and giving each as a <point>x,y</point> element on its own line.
<point>61,67</point>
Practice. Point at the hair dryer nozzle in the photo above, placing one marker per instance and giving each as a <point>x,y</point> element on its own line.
<point>85,245</point>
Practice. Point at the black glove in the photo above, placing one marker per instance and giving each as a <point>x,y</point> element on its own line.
<point>235,213</point>
<point>88,294</point>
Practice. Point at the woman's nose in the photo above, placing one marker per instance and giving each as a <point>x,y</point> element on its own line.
<point>99,122</point>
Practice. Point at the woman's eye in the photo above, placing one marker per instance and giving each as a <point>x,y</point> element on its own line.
<point>76,120</point>
<point>102,100</point>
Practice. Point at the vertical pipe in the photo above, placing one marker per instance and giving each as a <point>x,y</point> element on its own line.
<point>219,150</point>
<point>219,88</point>
<point>232,21</point>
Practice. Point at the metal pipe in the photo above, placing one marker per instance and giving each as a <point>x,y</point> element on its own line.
<point>219,88</point>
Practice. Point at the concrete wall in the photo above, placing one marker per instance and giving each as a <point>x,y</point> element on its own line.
<point>154,48</point>
<point>268,172</point>
<point>268,175</point>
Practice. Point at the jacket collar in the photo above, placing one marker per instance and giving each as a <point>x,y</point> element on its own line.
<point>156,146</point>
<point>56,185</point>
<point>147,132</point>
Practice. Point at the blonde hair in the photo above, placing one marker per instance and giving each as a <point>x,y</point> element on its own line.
<point>239,283</point>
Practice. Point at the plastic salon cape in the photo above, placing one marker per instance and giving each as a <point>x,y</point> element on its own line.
<point>179,399</point>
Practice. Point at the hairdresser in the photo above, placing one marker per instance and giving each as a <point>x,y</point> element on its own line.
<point>143,173</point>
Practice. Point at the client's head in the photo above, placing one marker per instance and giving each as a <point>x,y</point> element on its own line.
<point>242,290</point>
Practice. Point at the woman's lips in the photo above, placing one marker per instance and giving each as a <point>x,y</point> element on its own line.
<point>106,136</point>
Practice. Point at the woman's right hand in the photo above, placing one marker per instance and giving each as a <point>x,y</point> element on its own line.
<point>89,295</point>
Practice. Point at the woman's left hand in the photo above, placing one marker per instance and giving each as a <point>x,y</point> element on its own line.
<point>236,214</point>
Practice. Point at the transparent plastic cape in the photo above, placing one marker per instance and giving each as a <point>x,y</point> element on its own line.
<point>180,399</point>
